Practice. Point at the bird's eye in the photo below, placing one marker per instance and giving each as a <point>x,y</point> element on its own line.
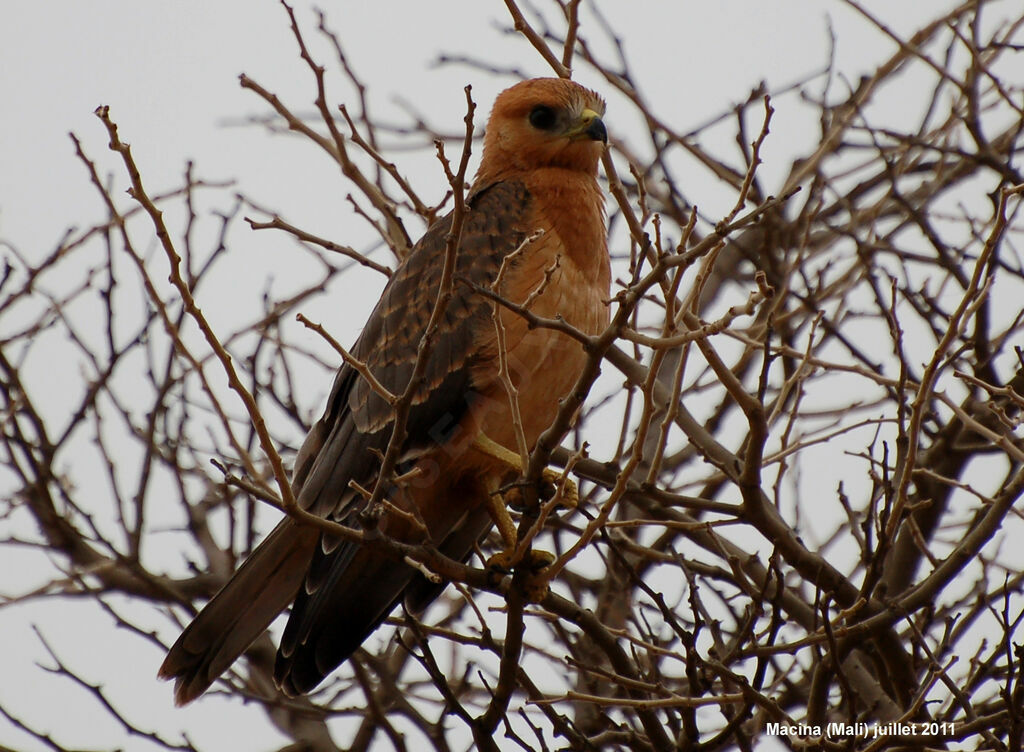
<point>542,117</point>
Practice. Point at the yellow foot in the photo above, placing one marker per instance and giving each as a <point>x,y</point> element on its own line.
<point>535,585</point>
<point>552,487</point>
<point>552,484</point>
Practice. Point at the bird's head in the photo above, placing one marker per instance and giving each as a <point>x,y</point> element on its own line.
<point>544,122</point>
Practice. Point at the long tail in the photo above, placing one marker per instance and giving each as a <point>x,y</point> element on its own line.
<point>261,589</point>
<point>347,594</point>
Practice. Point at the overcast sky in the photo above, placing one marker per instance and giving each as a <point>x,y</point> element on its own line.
<point>169,72</point>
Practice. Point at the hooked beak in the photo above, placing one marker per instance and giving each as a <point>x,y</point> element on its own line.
<point>590,126</point>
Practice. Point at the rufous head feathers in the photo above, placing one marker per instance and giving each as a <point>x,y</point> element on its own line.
<point>543,122</point>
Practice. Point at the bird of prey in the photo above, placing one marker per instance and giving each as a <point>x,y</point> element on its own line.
<point>533,229</point>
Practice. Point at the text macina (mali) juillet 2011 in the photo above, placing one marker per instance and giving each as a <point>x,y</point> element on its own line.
<point>860,729</point>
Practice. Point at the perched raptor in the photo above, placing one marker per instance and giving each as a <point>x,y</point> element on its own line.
<point>533,223</point>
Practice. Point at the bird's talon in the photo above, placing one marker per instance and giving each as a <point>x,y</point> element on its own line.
<point>551,481</point>
<point>538,561</point>
<point>502,561</point>
<point>535,584</point>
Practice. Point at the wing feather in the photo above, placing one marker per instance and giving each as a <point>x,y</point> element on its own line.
<point>358,420</point>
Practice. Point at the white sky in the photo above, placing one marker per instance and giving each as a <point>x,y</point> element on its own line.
<point>169,72</point>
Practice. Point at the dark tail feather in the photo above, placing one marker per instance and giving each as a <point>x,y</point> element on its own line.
<point>261,589</point>
<point>357,589</point>
<point>349,592</point>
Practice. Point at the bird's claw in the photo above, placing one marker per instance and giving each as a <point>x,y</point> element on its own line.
<point>563,489</point>
<point>553,486</point>
<point>535,584</point>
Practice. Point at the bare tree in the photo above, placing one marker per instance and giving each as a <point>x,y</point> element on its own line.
<point>859,322</point>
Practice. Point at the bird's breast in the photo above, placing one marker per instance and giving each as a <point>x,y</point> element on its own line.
<point>542,363</point>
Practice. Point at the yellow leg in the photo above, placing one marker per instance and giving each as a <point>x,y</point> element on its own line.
<point>551,480</point>
<point>503,520</point>
<point>536,585</point>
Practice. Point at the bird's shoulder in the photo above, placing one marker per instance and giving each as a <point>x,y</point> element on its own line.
<point>497,218</point>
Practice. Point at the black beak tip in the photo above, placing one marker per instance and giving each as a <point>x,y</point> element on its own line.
<point>597,131</point>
